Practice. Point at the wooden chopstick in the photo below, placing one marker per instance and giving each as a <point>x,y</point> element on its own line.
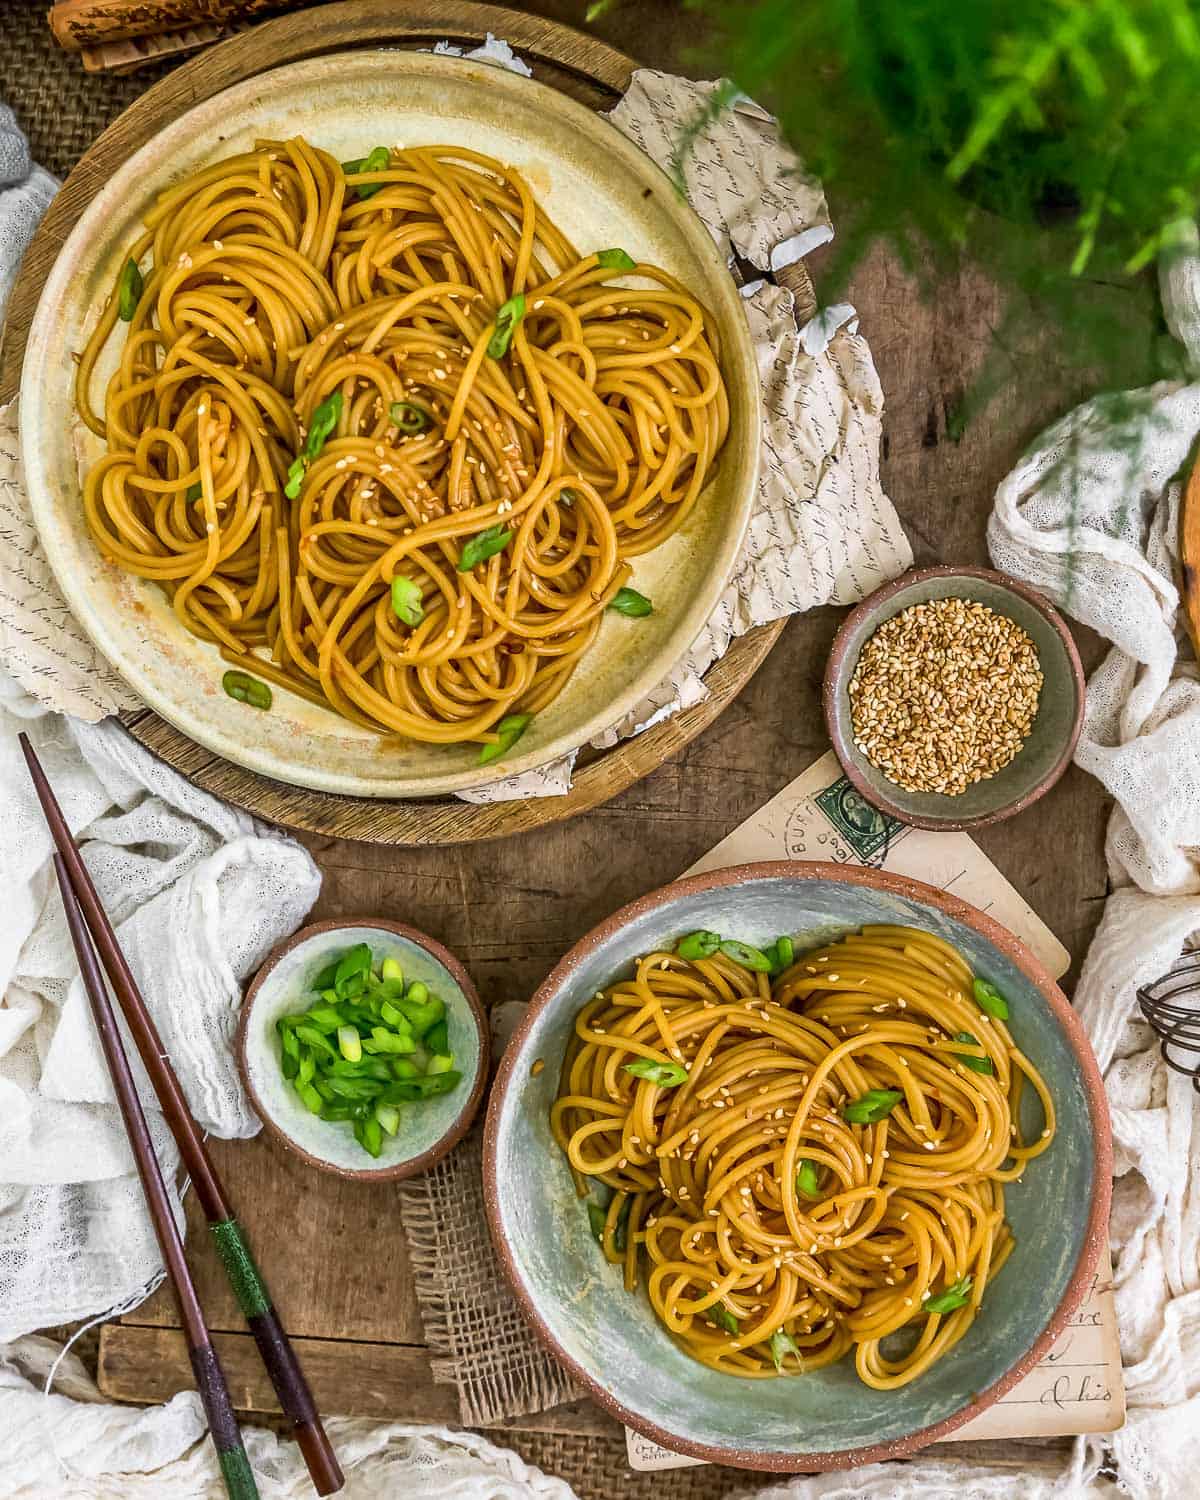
<point>247,1281</point>
<point>210,1378</point>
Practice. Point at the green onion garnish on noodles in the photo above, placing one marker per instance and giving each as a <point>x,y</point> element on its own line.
<point>509,315</point>
<point>129,291</point>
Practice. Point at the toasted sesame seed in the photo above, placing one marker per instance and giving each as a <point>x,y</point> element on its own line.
<point>944,695</point>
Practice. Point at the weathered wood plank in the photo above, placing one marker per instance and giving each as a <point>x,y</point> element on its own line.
<point>349,1379</point>
<point>332,1250</point>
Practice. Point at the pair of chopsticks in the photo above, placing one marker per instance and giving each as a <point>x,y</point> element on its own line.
<point>92,934</point>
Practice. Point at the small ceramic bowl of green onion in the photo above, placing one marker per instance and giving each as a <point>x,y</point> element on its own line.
<point>364,1048</point>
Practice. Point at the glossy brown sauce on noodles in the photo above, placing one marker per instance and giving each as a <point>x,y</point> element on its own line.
<point>772,1233</point>
<point>275,282</point>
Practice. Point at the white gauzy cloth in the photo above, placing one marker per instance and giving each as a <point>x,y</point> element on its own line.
<point>25,194</point>
<point>198,894</point>
<point>75,1446</point>
<point>1090,516</point>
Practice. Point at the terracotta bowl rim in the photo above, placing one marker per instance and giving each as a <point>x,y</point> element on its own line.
<point>461,1123</point>
<point>837,668</point>
<point>1095,1236</point>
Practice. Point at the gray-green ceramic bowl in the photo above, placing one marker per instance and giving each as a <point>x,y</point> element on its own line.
<point>1045,755</point>
<point>427,1129</point>
<point>612,1342</point>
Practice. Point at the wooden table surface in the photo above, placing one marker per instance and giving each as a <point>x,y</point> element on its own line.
<point>335,1251</point>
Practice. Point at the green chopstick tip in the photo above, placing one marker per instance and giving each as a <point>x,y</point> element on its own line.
<point>240,1267</point>
<point>237,1474</point>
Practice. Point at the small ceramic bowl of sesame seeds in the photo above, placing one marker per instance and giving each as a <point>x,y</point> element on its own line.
<point>954,697</point>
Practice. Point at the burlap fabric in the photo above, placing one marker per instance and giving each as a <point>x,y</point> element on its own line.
<point>61,108</point>
<point>478,1339</point>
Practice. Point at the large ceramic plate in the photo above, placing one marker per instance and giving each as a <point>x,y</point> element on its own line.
<point>599,189</point>
<point>613,1343</point>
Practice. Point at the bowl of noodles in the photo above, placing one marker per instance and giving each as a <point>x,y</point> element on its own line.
<point>412,427</point>
<point>798,1166</point>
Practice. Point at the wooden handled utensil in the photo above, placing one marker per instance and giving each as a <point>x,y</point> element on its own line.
<point>210,1378</point>
<point>246,1279</point>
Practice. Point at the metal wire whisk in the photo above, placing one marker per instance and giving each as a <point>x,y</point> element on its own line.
<point>1172,1007</point>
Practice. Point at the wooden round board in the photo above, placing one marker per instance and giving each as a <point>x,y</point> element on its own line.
<point>579,65</point>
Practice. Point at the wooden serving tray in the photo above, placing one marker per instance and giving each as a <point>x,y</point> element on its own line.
<point>585,68</point>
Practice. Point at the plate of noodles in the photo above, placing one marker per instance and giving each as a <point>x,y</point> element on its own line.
<point>798,1166</point>
<point>411,428</point>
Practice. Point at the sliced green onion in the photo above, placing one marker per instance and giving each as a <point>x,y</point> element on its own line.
<point>667,1075</point>
<point>370,1135</point>
<point>295,478</point>
<point>630,603</point>
<point>324,1017</point>
<point>616,260</point>
<point>409,1089</point>
<point>353,962</point>
<point>325,978</point>
<point>976,1064</point>
<point>957,1294</point>
<point>781,1345</point>
<point>194,491</point>
<point>423,1014</point>
<point>510,731</point>
<point>990,999</point>
<point>598,1219</point>
<point>782,954</point>
<point>874,1105</point>
<point>312,1100</point>
<point>247,689</point>
<point>311,1037</point>
<point>482,545</point>
<point>129,290</point>
<point>407,602</point>
<point>409,417</point>
<point>325,418</point>
<point>394,1043</point>
<point>396,1019</point>
<point>347,1054</point>
<point>808,1183</point>
<point>698,945</point>
<point>723,1318</point>
<point>748,957</point>
<point>378,161</point>
<point>507,318</point>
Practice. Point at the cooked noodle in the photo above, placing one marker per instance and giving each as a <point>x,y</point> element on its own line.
<point>750,1272</point>
<point>271,285</point>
